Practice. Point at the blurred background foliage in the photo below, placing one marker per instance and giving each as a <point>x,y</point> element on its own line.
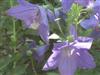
<point>16,52</point>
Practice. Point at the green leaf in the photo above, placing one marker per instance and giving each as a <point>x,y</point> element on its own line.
<point>4,62</point>
<point>18,70</point>
<point>74,14</point>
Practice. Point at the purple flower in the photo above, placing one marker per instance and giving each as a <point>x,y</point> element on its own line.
<point>96,8</point>
<point>51,16</point>
<point>84,3</point>
<point>69,56</point>
<point>54,15</point>
<point>33,16</point>
<point>90,23</point>
<point>66,4</point>
<point>93,21</point>
<point>40,51</point>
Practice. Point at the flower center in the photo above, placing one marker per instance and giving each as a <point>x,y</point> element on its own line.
<point>67,52</point>
<point>35,19</point>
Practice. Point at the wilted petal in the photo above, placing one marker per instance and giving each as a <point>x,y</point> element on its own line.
<point>84,43</point>
<point>52,62</point>
<point>66,4</point>
<point>89,23</point>
<point>86,61</point>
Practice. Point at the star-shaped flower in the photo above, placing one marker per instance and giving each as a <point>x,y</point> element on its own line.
<point>33,16</point>
<point>69,56</point>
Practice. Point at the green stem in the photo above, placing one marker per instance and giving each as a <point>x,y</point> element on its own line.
<point>34,71</point>
<point>58,24</point>
<point>14,35</point>
<point>14,29</point>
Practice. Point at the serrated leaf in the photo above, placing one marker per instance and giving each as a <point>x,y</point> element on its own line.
<point>74,14</point>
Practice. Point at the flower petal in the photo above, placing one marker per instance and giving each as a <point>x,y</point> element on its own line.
<point>86,61</point>
<point>41,50</point>
<point>51,16</point>
<point>66,4</point>
<point>44,28</point>
<point>52,62</point>
<point>96,8</point>
<point>84,43</point>
<point>59,45</point>
<point>44,33</point>
<point>24,11</point>
<point>84,3</point>
<point>89,23</point>
<point>67,64</point>
<point>43,13</point>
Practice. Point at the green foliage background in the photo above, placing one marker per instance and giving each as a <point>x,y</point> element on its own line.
<point>14,57</point>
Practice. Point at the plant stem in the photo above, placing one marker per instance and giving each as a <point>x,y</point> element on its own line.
<point>14,29</point>
<point>14,35</point>
<point>58,24</point>
<point>32,62</point>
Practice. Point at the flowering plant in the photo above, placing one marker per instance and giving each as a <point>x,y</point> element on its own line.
<point>62,35</point>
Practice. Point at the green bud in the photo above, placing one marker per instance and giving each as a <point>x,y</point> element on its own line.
<point>70,38</point>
